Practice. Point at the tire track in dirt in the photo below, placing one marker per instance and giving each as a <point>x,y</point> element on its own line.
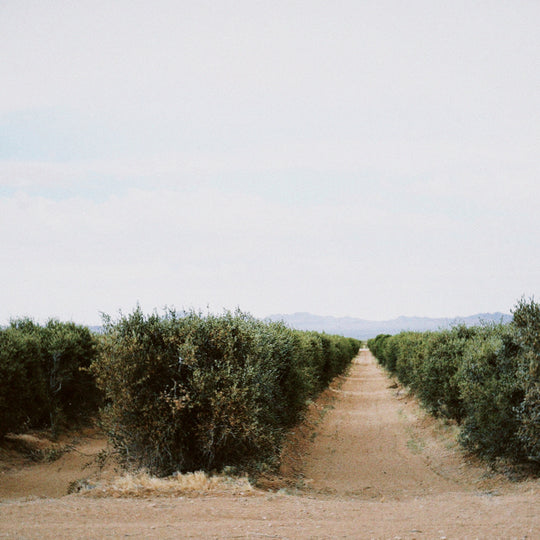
<point>376,443</point>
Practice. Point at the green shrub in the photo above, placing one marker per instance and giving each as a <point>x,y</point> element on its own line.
<point>527,325</point>
<point>410,353</point>
<point>196,392</point>
<point>69,349</point>
<point>487,378</point>
<point>23,381</point>
<point>390,351</point>
<point>438,387</point>
<point>376,346</point>
<point>43,381</point>
<point>401,354</point>
<point>492,393</point>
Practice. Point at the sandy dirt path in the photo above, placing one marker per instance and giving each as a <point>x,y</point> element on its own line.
<point>374,466</point>
<point>376,443</point>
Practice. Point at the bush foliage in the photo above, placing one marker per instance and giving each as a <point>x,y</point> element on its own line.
<point>487,378</point>
<point>43,375</point>
<point>189,392</point>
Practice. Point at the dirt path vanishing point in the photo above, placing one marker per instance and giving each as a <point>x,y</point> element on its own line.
<point>373,466</point>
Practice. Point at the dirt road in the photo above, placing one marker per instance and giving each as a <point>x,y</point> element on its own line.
<point>374,466</point>
<point>377,443</point>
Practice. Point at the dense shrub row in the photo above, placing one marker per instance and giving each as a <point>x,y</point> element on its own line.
<point>43,381</point>
<point>487,378</point>
<point>188,392</point>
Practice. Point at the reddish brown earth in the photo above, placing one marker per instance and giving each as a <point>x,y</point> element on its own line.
<point>367,464</point>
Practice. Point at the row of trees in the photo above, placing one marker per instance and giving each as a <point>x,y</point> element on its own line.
<point>44,377</point>
<point>189,392</point>
<point>178,392</point>
<point>487,378</point>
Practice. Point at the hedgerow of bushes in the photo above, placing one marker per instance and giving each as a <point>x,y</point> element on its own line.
<point>44,381</point>
<point>188,392</point>
<point>487,378</point>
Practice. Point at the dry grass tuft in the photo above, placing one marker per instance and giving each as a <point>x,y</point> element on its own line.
<point>143,485</point>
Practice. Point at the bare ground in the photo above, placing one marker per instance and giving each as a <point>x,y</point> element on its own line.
<point>367,463</point>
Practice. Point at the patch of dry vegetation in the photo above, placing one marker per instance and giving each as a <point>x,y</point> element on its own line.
<point>142,484</point>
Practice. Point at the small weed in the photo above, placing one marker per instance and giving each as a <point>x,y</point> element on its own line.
<point>416,446</point>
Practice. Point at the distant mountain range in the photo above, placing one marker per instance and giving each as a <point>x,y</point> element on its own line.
<point>363,329</point>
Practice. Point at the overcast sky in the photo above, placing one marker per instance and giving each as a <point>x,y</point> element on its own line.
<point>363,158</point>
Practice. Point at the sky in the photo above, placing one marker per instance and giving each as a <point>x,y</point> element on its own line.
<point>349,158</point>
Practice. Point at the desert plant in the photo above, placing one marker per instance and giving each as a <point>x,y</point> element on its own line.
<point>187,392</point>
<point>376,346</point>
<point>23,381</point>
<point>527,326</point>
<point>438,387</point>
<point>492,393</point>
<point>43,375</point>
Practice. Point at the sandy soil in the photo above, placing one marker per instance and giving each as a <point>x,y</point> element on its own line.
<point>366,464</point>
<point>33,465</point>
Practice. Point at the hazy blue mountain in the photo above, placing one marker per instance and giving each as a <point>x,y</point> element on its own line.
<point>96,329</point>
<point>364,329</point>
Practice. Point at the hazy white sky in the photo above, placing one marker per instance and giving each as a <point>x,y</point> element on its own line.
<point>364,158</point>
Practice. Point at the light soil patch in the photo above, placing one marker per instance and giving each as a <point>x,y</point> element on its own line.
<point>367,463</point>
<point>34,465</point>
